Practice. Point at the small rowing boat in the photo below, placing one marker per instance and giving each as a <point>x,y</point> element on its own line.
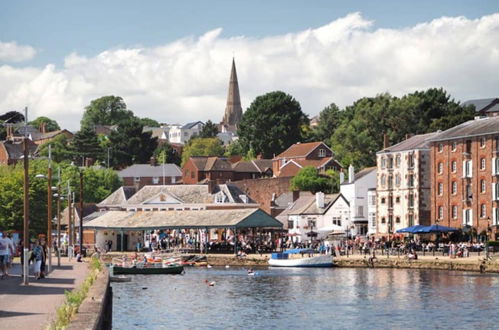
<point>287,259</point>
<point>149,269</point>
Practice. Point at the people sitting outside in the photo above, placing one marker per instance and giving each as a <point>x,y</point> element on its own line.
<point>412,255</point>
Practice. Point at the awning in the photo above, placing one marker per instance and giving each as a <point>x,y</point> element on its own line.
<point>148,220</point>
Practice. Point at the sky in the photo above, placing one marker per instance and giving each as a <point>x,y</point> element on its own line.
<point>170,60</point>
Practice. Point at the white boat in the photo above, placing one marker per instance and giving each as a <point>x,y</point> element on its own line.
<point>286,259</point>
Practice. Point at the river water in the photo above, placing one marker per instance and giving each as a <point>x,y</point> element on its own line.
<point>330,298</point>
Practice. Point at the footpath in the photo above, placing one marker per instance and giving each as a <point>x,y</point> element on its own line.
<point>34,306</point>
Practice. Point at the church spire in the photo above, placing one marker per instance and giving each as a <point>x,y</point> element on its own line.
<point>233,110</point>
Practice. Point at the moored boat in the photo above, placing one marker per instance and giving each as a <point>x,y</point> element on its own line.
<point>149,269</point>
<point>288,259</point>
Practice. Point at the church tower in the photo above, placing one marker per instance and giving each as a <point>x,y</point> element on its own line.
<point>233,110</point>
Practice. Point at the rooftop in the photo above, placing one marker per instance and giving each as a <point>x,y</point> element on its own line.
<point>147,170</point>
<point>476,127</point>
<point>483,104</point>
<point>420,141</point>
<point>300,150</point>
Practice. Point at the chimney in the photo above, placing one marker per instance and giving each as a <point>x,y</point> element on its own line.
<point>42,128</point>
<point>152,161</point>
<point>259,156</point>
<point>408,136</point>
<point>211,186</point>
<point>296,195</point>
<point>342,176</point>
<point>272,201</point>
<point>319,199</point>
<point>386,142</point>
<point>351,173</point>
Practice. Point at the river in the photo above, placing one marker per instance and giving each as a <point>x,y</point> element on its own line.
<point>329,298</point>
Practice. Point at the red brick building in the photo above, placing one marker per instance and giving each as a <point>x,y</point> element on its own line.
<point>11,152</point>
<point>465,172</point>
<point>299,155</point>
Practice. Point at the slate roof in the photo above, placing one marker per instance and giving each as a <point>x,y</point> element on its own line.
<point>191,125</point>
<point>420,141</point>
<point>52,134</point>
<point>147,170</point>
<point>119,197</point>
<point>286,199</point>
<point>300,150</point>
<point>361,174</point>
<point>242,218</point>
<point>476,127</point>
<point>483,104</point>
<point>156,131</point>
<point>15,149</point>
<point>206,163</point>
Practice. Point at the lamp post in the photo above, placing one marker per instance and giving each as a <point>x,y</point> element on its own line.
<point>70,229</point>
<point>26,203</point>
<point>487,239</point>
<point>81,213</point>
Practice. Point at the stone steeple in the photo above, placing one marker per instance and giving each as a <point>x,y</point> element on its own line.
<point>233,110</point>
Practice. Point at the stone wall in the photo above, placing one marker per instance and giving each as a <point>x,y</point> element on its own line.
<point>261,190</point>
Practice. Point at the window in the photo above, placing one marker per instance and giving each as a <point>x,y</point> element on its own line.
<point>495,191</point>
<point>397,180</point>
<point>496,139</point>
<point>220,197</point>
<point>397,199</point>
<point>467,217</point>
<point>136,179</point>
<point>383,220</point>
<point>483,211</point>
<point>155,180</point>
<point>411,220</point>
<point>291,224</point>
<point>390,162</point>
<point>383,162</point>
<point>383,180</point>
<point>483,188</point>
<point>411,200</point>
<point>454,211</point>
<point>410,160</point>
<point>410,182</point>
<point>440,147</point>
<point>495,166</point>
<point>454,187</point>
<point>397,219</point>
<point>467,168</point>
<point>397,161</point>
<point>454,166</point>
<point>482,142</point>
<point>390,202</point>
<point>440,212</point>
<point>337,221</point>
<point>322,152</point>
<point>440,188</point>
<point>482,163</point>
<point>440,168</point>
<point>469,193</point>
<point>390,182</point>
<point>360,211</point>
<point>383,200</point>
<point>454,146</point>
<point>468,146</point>
<point>372,200</point>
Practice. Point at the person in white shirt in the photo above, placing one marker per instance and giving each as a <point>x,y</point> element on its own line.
<point>6,250</point>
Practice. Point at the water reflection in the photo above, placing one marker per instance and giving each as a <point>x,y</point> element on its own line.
<point>307,298</point>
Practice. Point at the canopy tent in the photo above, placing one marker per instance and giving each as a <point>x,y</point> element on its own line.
<point>435,229</point>
<point>332,228</point>
<point>149,220</point>
<point>411,229</point>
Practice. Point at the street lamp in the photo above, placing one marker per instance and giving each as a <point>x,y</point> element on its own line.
<point>26,202</point>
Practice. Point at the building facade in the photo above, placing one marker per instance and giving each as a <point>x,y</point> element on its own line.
<point>465,172</point>
<point>403,184</point>
<point>183,133</point>
<point>140,175</point>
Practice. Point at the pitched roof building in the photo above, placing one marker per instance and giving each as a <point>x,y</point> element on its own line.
<point>299,155</point>
<point>485,107</point>
<point>140,175</point>
<point>11,151</point>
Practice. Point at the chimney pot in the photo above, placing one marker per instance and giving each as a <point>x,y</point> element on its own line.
<point>386,142</point>
<point>351,173</point>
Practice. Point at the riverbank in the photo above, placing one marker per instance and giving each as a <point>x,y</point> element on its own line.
<point>355,261</point>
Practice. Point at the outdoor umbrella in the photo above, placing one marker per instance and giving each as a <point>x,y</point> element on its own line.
<point>435,229</point>
<point>411,229</point>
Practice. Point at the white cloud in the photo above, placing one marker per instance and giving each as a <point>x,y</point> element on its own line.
<point>12,52</point>
<point>187,80</point>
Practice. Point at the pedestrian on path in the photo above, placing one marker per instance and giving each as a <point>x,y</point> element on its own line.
<point>38,256</point>
<point>6,249</point>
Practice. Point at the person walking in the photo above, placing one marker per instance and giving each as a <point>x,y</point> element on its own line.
<point>6,249</point>
<point>38,256</point>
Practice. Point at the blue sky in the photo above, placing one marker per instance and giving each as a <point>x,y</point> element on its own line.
<point>57,28</point>
<point>171,60</point>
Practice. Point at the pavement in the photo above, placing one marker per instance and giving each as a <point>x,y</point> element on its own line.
<point>34,306</point>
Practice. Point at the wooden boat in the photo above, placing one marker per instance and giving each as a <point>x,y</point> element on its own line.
<point>285,259</point>
<point>149,269</point>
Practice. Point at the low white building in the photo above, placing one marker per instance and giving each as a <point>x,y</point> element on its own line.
<point>182,133</point>
<point>371,211</point>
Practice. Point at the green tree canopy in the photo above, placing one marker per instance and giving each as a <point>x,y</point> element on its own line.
<point>271,124</point>
<point>50,124</point>
<point>360,133</point>
<point>149,122</point>
<point>129,145</point>
<point>106,110</point>
<point>85,144</point>
<point>202,147</point>
<point>209,130</point>
<point>164,153</point>
<point>308,179</point>
<point>329,120</point>
<point>61,150</point>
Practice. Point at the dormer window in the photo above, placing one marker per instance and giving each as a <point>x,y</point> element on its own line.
<point>220,197</point>
<point>322,152</point>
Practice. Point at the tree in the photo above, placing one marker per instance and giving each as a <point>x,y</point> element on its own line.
<point>99,183</point>
<point>209,130</point>
<point>106,110</point>
<point>85,145</point>
<point>234,149</point>
<point>129,145</point>
<point>50,124</point>
<point>271,124</point>
<point>202,147</point>
<point>149,122</point>
<point>60,149</point>
<point>164,153</point>
<point>329,120</point>
<point>308,179</point>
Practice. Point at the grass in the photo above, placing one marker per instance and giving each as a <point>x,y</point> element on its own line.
<point>75,297</point>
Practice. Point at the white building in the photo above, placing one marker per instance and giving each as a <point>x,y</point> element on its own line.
<point>371,211</point>
<point>403,184</point>
<point>182,133</point>
<point>355,191</point>
<point>336,219</point>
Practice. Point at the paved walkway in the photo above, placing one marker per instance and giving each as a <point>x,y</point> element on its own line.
<point>34,306</point>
